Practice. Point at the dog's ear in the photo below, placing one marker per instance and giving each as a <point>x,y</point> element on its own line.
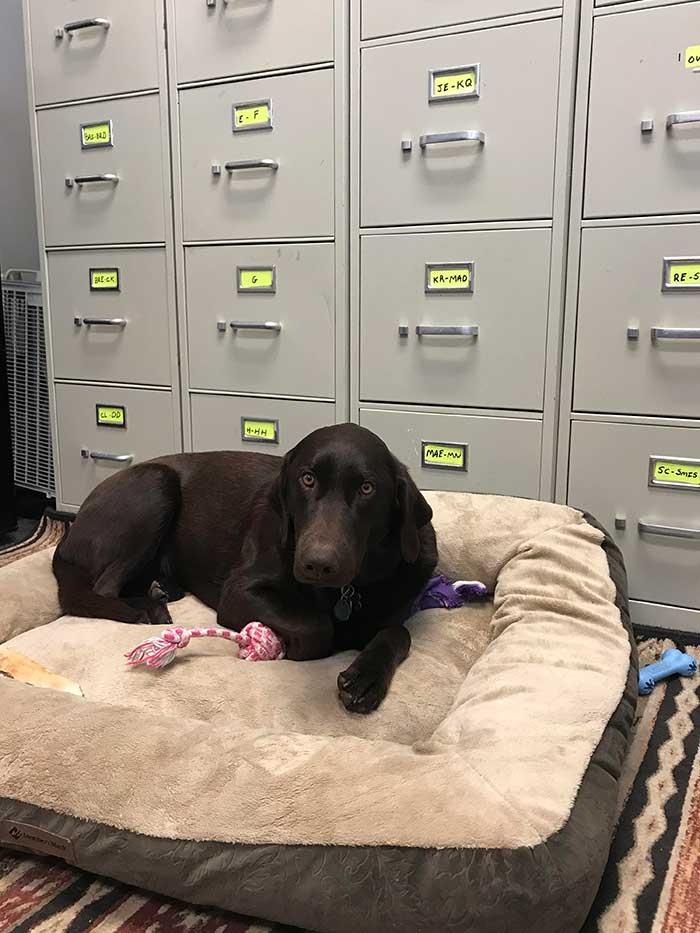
<point>414,513</point>
<point>279,500</point>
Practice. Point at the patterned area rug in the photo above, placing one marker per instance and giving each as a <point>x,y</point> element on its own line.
<point>651,884</point>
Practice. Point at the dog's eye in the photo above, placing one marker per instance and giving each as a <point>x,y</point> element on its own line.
<point>367,489</point>
<point>308,480</point>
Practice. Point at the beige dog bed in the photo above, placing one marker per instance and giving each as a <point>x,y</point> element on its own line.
<point>480,796</point>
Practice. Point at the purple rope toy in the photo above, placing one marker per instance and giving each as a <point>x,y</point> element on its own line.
<point>441,594</point>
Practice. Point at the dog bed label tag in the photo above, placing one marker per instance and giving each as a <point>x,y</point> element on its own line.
<point>35,839</point>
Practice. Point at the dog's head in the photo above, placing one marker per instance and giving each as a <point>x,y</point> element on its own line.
<point>341,495</point>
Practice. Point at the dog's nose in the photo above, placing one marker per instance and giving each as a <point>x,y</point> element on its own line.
<point>320,564</point>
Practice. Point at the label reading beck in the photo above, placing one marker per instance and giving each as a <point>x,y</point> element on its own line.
<point>444,456</point>
<point>111,416</point>
<point>255,115</point>
<point>684,473</point>
<point>95,135</point>
<point>106,280</point>
<point>259,431</point>
<point>449,277</point>
<point>692,56</point>
<point>447,83</point>
<point>260,280</point>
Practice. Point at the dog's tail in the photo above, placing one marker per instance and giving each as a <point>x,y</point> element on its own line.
<point>77,597</point>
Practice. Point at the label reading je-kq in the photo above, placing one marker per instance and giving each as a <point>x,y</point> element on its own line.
<point>673,472</point>
<point>449,277</point>
<point>255,430</point>
<point>252,115</point>
<point>682,273</point>
<point>96,135</point>
<point>451,83</point>
<point>111,416</point>
<point>104,280</point>
<point>436,456</point>
<point>260,279</point>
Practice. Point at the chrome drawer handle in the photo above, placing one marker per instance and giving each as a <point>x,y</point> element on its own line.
<point>272,164</point>
<point>100,321</point>
<point>275,326</point>
<point>675,333</point>
<point>91,179</point>
<point>113,458</point>
<point>469,330</point>
<point>676,119</point>
<point>668,531</point>
<point>432,139</point>
<point>69,28</point>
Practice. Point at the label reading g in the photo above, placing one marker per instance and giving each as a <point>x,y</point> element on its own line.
<point>451,83</point>
<point>260,279</point>
<point>104,280</point>
<point>96,135</point>
<point>253,430</point>
<point>111,416</point>
<point>682,273</point>
<point>444,456</point>
<point>253,115</point>
<point>683,473</point>
<point>449,277</point>
<point>692,56</point>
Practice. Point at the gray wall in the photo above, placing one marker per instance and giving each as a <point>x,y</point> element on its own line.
<point>18,237</point>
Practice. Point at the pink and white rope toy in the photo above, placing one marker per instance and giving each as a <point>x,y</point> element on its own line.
<point>256,642</point>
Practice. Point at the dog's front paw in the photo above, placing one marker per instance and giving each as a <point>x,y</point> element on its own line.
<point>361,691</point>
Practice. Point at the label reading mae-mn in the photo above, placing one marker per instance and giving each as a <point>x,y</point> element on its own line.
<point>672,472</point>
<point>435,456</point>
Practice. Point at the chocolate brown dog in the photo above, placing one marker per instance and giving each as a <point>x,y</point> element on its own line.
<point>329,547</point>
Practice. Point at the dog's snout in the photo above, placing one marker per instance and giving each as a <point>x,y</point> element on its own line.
<point>320,564</point>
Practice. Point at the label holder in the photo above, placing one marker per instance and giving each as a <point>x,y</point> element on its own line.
<point>669,261</point>
<point>654,460</point>
<point>256,289</point>
<point>247,439</point>
<point>462,467</point>
<point>250,105</point>
<point>110,424</point>
<point>446,72</point>
<point>105,288</point>
<point>105,145</point>
<point>430,289</point>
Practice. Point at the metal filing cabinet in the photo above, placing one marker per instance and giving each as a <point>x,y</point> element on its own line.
<point>101,158</point>
<point>460,171</point>
<point>259,126</point>
<point>629,438</point>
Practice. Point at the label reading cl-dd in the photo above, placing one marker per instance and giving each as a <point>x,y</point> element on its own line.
<point>255,430</point>
<point>683,473</point>
<point>111,416</point>
<point>444,456</point>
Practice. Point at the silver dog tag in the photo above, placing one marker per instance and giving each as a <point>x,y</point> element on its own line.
<point>343,608</point>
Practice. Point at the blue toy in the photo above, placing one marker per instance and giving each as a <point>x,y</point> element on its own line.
<point>672,662</point>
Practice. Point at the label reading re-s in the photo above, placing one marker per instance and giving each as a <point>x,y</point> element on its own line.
<point>104,280</point>
<point>683,274</point>
<point>676,473</point>
<point>444,456</point>
<point>93,135</point>
<point>255,430</point>
<point>455,82</point>
<point>111,416</point>
<point>692,56</point>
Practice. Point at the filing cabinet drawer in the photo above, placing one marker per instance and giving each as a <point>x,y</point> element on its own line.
<point>109,315</point>
<point>291,192</point>
<point>497,360</point>
<point>135,424</point>
<point>390,17</point>
<point>457,158</point>
<point>74,59</point>
<point>270,426</point>
<point>219,39</point>
<point>638,335</point>
<point>610,476</point>
<point>644,121</point>
<point>501,455</point>
<point>261,318</point>
<point>127,206</point>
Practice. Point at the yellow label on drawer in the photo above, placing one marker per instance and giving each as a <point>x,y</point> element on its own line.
<point>458,278</point>
<point>458,83</point>
<point>444,456</point>
<point>251,116</point>
<point>681,274</point>
<point>692,56</point>
<point>111,416</point>
<point>266,431</point>
<point>676,473</point>
<point>96,134</point>
<point>251,279</point>
<point>104,280</point>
